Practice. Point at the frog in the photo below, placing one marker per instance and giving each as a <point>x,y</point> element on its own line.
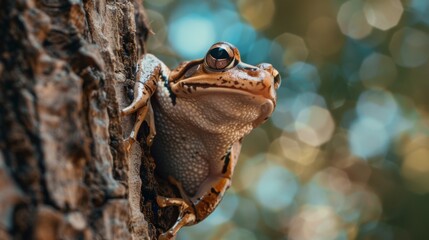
<point>197,115</point>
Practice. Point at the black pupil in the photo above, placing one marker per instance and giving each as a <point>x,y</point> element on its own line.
<point>219,53</point>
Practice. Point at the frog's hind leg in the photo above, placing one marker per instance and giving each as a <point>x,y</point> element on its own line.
<point>195,209</point>
<point>212,189</point>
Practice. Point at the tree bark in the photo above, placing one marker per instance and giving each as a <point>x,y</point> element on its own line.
<point>66,70</point>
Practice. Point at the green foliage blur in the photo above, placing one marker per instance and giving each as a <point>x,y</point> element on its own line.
<point>346,154</point>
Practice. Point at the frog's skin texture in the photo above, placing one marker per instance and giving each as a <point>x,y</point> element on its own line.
<point>201,110</point>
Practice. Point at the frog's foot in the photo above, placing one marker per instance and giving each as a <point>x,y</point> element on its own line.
<point>171,233</point>
<point>186,215</point>
<point>167,202</point>
<point>167,236</point>
<point>128,143</point>
<point>150,137</point>
<point>182,191</point>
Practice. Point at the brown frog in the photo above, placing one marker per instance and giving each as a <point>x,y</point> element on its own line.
<point>198,114</point>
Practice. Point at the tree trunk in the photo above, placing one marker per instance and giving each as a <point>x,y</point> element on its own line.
<point>66,70</point>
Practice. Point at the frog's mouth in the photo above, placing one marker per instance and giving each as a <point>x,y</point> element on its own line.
<point>193,88</point>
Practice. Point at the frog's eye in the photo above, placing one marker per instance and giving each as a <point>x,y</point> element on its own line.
<point>219,58</point>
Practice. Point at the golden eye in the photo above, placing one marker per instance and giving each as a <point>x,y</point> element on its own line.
<point>219,57</point>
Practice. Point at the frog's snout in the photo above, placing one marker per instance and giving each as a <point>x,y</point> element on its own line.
<point>270,69</point>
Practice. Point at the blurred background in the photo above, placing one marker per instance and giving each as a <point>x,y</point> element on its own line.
<point>346,153</point>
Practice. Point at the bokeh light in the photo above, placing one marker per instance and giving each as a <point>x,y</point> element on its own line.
<point>297,151</point>
<point>157,41</point>
<point>383,14</point>
<point>259,13</point>
<point>377,70</point>
<point>315,223</point>
<point>415,168</point>
<point>280,181</point>
<point>410,47</point>
<point>295,48</point>
<point>352,21</point>
<point>378,105</point>
<point>324,36</point>
<point>420,10</point>
<point>303,77</point>
<point>368,138</point>
<point>239,34</point>
<point>314,125</point>
<point>345,155</point>
<point>188,42</point>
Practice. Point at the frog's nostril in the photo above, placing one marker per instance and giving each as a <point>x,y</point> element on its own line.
<point>266,66</point>
<point>247,67</point>
<point>250,68</point>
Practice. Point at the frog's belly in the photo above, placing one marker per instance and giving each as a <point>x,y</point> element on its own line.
<point>178,155</point>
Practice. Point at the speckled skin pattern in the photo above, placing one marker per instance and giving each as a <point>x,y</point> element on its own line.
<point>204,128</point>
<point>197,114</point>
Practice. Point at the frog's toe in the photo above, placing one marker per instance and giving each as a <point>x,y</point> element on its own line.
<point>166,202</point>
<point>161,201</point>
<point>185,218</point>
<point>149,138</point>
<point>169,235</point>
<point>128,143</point>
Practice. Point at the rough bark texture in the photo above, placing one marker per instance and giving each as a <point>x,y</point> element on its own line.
<point>66,67</point>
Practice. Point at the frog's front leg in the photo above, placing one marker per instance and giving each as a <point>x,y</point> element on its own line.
<point>149,71</point>
<point>144,113</point>
<point>195,209</point>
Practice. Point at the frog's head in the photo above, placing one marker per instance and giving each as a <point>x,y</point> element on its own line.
<point>222,74</point>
